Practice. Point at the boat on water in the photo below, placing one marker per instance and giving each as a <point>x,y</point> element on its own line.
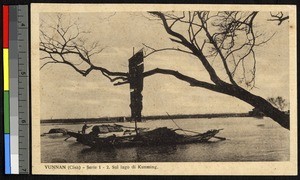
<point>56,132</point>
<point>118,136</point>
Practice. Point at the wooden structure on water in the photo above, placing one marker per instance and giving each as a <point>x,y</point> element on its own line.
<point>139,136</point>
<point>136,81</point>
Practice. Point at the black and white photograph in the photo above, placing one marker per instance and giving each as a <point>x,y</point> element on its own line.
<point>132,88</point>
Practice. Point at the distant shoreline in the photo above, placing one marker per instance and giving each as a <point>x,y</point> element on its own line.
<point>144,118</point>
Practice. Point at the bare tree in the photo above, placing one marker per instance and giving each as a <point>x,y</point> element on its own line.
<point>69,46</point>
<point>278,102</point>
<point>225,36</point>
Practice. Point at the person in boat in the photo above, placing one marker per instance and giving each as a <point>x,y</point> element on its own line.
<point>84,127</point>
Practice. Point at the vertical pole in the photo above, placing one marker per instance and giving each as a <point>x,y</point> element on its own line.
<point>136,69</point>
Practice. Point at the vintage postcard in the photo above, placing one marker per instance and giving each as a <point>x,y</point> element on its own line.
<point>131,89</point>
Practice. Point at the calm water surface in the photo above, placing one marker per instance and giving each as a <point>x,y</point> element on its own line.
<point>248,139</point>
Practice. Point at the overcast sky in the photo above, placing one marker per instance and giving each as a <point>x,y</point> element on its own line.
<point>67,94</point>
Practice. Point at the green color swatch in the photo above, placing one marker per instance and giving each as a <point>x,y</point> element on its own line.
<point>6,112</point>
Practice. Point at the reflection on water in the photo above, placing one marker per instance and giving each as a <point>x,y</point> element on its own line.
<point>248,139</point>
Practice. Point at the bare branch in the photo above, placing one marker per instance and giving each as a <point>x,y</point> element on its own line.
<point>69,40</point>
<point>50,62</point>
<point>278,17</point>
<point>121,83</point>
<point>183,41</point>
<point>164,49</point>
<point>219,35</point>
<point>178,75</point>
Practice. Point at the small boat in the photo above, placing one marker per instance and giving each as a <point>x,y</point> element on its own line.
<point>103,131</point>
<point>117,136</point>
<point>56,132</point>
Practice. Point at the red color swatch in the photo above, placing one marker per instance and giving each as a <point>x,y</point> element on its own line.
<point>5,25</point>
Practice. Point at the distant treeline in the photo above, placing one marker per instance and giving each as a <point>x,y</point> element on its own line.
<point>157,117</point>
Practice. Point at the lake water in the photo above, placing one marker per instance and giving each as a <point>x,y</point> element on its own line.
<point>248,139</point>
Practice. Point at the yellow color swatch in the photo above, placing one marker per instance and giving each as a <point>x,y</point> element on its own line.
<point>5,69</point>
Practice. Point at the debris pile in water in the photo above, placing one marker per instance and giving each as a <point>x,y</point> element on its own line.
<point>57,130</point>
<point>160,135</point>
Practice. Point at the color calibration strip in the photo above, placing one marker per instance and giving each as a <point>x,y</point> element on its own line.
<point>16,89</point>
<point>13,92</point>
<point>5,10</point>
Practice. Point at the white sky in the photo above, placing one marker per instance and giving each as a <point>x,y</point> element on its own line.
<point>67,94</point>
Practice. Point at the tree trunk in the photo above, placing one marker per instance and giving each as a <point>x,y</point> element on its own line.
<point>258,102</point>
<point>233,90</point>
